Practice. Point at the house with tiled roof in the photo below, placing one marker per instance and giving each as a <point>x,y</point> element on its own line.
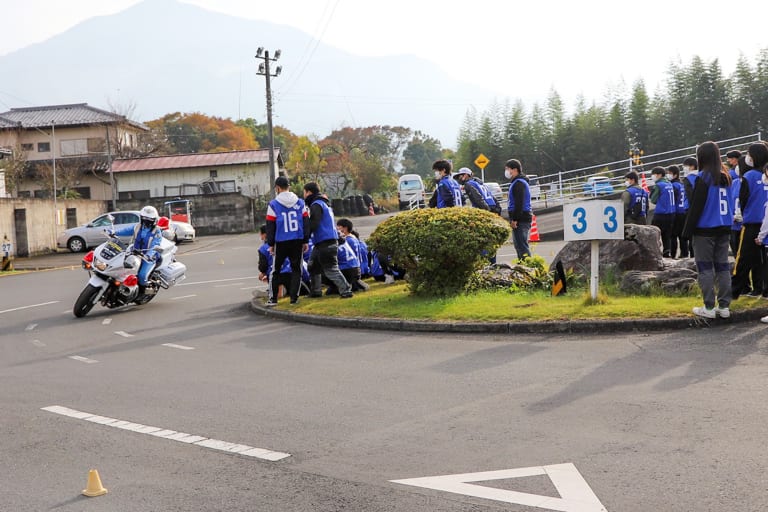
<point>245,172</point>
<point>77,140</point>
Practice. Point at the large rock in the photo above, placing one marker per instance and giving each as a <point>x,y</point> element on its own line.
<point>672,281</point>
<point>640,250</point>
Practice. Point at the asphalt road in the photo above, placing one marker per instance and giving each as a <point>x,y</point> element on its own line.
<point>620,422</point>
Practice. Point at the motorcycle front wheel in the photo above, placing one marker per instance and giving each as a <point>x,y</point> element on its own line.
<point>86,300</point>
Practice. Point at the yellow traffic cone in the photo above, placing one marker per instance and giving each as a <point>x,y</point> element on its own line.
<point>94,487</point>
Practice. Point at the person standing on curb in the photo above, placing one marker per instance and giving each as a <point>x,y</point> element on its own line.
<point>635,200</point>
<point>663,196</point>
<point>709,220</point>
<point>287,237</point>
<point>447,193</point>
<point>477,192</point>
<point>752,199</point>
<point>324,258</point>
<point>519,206</point>
<point>681,211</point>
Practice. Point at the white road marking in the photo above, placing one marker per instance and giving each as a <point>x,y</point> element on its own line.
<point>250,287</point>
<point>180,347</point>
<point>228,284</point>
<point>215,444</point>
<point>30,327</point>
<point>199,252</point>
<point>124,334</point>
<point>213,281</point>
<point>83,359</point>
<point>30,306</point>
<point>184,297</point>
<point>576,495</point>
<point>106,321</point>
<point>37,343</point>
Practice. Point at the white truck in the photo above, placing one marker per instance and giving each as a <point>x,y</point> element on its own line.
<point>410,191</point>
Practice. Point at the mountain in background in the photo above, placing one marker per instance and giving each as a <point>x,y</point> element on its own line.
<point>163,56</point>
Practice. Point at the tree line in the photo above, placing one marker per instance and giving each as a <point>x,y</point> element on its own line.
<point>697,103</point>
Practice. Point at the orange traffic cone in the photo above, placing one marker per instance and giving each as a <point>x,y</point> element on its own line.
<point>533,234</point>
<point>94,487</point>
<point>644,184</point>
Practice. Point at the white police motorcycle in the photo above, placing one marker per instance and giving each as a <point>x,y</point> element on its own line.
<point>113,267</point>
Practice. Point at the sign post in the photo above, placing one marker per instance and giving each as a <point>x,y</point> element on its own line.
<point>481,161</point>
<point>594,221</point>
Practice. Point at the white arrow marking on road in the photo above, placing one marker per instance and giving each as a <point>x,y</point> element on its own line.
<point>31,306</point>
<point>37,343</point>
<point>30,327</point>
<point>180,347</point>
<point>184,297</point>
<point>124,334</point>
<point>576,495</point>
<point>106,321</point>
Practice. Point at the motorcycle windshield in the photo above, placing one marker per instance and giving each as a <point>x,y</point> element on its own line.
<point>111,249</point>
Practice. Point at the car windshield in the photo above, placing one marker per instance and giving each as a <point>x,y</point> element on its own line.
<point>101,221</point>
<point>410,185</point>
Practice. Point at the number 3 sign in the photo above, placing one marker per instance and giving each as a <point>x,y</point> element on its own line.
<point>593,220</point>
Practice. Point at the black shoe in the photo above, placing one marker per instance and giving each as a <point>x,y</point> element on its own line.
<point>347,295</point>
<point>753,294</point>
<point>295,301</point>
<point>315,295</point>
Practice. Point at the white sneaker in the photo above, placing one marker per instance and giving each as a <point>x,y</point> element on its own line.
<point>723,312</point>
<point>764,319</point>
<point>704,312</point>
<point>389,279</point>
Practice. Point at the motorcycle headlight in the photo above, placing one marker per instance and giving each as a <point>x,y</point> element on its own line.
<point>100,265</point>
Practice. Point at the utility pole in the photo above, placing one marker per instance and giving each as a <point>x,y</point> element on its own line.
<point>264,70</point>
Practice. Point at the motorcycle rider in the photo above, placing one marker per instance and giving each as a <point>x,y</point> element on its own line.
<point>146,237</point>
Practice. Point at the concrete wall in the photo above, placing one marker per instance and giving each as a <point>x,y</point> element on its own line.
<point>42,224</point>
<point>212,214</point>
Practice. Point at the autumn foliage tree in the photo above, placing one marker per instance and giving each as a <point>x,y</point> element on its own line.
<point>198,133</point>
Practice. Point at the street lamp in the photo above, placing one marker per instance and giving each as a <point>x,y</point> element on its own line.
<point>264,70</point>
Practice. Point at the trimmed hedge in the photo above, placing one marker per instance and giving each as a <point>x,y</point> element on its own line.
<point>440,248</point>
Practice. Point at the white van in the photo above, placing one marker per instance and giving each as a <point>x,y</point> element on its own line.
<point>410,190</point>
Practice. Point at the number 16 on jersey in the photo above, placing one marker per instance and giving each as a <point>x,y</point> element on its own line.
<point>593,220</point>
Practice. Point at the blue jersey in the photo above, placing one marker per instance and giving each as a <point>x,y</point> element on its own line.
<point>526,206</point>
<point>638,202</point>
<point>347,256</point>
<point>144,239</point>
<point>735,189</point>
<point>361,250</point>
<point>289,220</point>
<point>326,230</point>
<point>681,199</point>
<point>754,209</point>
<point>717,209</point>
<point>483,190</point>
<point>665,201</point>
<point>451,189</point>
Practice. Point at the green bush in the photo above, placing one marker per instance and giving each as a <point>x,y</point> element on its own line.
<point>440,248</point>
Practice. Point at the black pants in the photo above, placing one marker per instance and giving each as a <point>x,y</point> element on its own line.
<point>677,239</point>
<point>293,250</point>
<point>665,222</point>
<point>748,271</point>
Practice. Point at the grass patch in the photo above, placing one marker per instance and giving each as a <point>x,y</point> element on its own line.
<point>394,301</point>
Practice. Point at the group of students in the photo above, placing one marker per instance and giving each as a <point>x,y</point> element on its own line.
<point>448,193</point>
<point>714,209</point>
<point>304,248</point>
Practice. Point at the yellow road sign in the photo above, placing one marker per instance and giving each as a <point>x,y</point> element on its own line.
<point>481,161</point>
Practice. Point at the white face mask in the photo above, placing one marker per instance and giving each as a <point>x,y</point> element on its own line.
<point>749,161</point>
<point>508,174</point>
<point>670,177</point>
<point>438,175</point>
<point>686,169</point>
<point>627,183</point>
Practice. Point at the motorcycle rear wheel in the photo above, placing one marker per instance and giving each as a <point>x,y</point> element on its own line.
<point>86,300</point>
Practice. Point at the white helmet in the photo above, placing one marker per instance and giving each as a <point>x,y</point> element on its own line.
<point>149,216</point>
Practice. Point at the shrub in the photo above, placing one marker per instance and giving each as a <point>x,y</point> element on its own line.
<point>440,248</point>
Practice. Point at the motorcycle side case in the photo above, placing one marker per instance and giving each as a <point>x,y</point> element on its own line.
<point>173,272</point>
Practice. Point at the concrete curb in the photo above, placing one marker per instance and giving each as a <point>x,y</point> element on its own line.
<point>567,327</point>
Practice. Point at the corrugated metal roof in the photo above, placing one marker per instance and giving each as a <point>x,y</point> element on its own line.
<point>76,114</point>
<point>170,162</point>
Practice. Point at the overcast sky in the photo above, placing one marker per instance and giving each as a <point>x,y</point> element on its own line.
<point>520,49</point>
